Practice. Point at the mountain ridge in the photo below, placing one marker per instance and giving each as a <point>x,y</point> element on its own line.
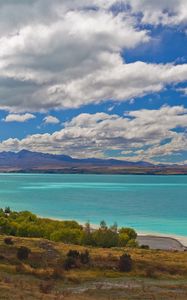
<point>30,161</point>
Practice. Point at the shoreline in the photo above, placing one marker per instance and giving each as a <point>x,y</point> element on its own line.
<point>181,239</point>
<point>155,240</point>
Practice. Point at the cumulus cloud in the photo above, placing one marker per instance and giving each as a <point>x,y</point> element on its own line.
<point>165,12</point>
<point>65,54</point>
<point>51,120</point>
<point>140,134</point>
<point>19,118</point>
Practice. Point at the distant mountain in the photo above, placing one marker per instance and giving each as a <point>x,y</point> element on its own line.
<point>26,158</point>
<point>28,161</point>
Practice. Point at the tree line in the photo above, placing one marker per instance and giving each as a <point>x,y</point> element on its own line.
<point>27,224</point>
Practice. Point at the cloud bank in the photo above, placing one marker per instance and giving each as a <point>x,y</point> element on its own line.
<point>139,135</point>
<point>67,54</point>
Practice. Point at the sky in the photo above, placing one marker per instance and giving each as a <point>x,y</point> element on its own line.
<point>100,78</point>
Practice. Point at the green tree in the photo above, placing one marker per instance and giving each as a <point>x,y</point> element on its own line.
<point>105,238</point>
<point>114,227</point>
<point>7,210</point>
<point>123,239</point>
<point>129,231</point>
<point>103,225</point>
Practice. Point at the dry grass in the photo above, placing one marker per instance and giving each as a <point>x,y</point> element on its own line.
<point>155,274</point>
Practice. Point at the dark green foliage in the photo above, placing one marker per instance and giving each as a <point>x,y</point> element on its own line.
<point>8,241</point>
<point>87,239</point>
<point>130,232</point>
<point>7,210</point>
<point>103,225</point>
<point>23,253</point>
<point>105,238</point>
<point>125,263</point>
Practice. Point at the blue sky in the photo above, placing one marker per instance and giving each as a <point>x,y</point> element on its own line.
<point>103,81</point>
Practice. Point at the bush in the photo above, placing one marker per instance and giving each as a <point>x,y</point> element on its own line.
<point>123,239</point>
<point>146,247</point>
<point>74,254</point>
<point>7,210</point>
<point>26,224</point>
<point>125,263</point>
<point>85,257</point>
<point>8,241</point>
<point>23,253</point>
<point>132,243</point>
<point>130,232</point>
<point>69,263</point>
<point>105,238</point>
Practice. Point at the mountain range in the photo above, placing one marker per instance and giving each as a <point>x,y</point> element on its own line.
<point>28,161</point>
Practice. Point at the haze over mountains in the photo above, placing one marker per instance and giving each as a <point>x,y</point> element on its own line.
<point>28,161</point>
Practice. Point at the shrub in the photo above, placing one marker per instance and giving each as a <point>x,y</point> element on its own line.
<point>7,210</point>
<point>125,263</point>
<point>74,254</point>
<point>132,243</point>
<point>23,253</point>
<point>130,232</point>
<point>103,225</point>
<point>69,263</point>
<point>8,241</point>
<point>105,238</point>
<point>87,239</point>
<point>66,235</point>
<point>85,257</point>
<point>146,247</point>
<point>123,239</point>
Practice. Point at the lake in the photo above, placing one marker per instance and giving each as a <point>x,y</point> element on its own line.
<point>156,204</point>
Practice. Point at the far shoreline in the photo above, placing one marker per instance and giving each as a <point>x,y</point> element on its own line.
<point>56,172</point>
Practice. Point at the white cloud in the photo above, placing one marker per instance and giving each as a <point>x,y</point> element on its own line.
<point>65,54</point>
<point>182,90</point>
<point>140,134</point>
<point>51,120</point>
<point>19,118</point>
<point>165,12</point>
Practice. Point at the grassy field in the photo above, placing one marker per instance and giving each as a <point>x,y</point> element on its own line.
<point>155,274</point>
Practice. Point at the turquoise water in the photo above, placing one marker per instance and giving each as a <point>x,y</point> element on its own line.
<point>147,203</point>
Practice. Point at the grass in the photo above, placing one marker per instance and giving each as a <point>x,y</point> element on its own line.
<point>155,275</point>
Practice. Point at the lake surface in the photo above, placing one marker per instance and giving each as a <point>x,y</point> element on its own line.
<point>147,203</point>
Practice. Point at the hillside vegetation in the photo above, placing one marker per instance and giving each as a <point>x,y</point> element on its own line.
<point>33,268</point>
<point>26,224</point>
